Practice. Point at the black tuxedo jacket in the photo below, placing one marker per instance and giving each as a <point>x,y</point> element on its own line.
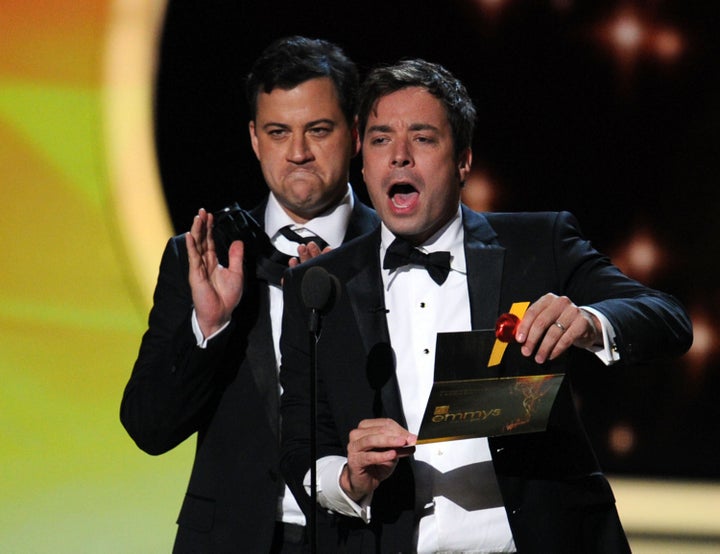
<point>554,494</point>
<point>228,393</point>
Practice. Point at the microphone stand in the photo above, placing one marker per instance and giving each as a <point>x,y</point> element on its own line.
<point>319,291</point>
<point>313,335</point>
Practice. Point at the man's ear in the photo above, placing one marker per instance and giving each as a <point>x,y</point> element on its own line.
<point>464,164</point>
<point>253,138</point>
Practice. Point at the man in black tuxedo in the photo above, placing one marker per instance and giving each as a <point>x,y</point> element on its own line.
<point>208,362</point>
<point>537,492</point>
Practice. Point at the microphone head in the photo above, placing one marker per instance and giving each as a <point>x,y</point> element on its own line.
<point>319,289</point>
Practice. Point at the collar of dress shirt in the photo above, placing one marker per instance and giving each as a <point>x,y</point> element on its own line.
<point>449,238</point>
<point>330,225</point>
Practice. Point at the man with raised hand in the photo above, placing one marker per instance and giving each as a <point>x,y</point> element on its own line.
<point>208,362</point>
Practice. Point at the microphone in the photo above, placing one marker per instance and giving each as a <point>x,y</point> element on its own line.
<point>319,290</point>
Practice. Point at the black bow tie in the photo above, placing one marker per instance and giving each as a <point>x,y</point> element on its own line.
<point>401,253</point>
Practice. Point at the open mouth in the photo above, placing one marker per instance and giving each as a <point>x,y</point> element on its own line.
<point>403,195</point>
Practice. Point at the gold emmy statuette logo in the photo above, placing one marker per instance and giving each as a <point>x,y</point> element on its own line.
<point>532,388</point>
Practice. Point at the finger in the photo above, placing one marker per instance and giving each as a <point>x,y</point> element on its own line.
<point>555,341</point>
<point>381,437</point>
<point>405,452</point>
<point>313,250</point>
<point>374,432</point>
<point>561,332</point>
<point>377,463</point>
<point>380,442</point>
<point>531,314</point>
<point>197,230</point>
<point>569,337</point>
<point>210,254</point>
<point>308,251</point>
<point>379,423</point>
<point>368,458</point>
<point>194,259</point>
<point>541,335</point>
<point>302,251</point>
<point>537,332</point>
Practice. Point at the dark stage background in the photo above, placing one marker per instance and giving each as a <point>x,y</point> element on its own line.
<point>610,110</point>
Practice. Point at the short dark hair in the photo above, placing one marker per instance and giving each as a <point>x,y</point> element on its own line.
<point>290,61</point>
<point>433,77</point>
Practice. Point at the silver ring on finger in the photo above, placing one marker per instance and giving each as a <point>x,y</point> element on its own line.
<point>560,326</point>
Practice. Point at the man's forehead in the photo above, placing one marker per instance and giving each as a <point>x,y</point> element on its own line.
<point>311,86</point>
<point>415,107</point>
<point>314,99</point>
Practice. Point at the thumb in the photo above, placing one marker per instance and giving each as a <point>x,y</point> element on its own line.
<point>236,254</point>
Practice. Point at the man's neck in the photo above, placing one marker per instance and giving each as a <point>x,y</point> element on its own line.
<point>331,224</point>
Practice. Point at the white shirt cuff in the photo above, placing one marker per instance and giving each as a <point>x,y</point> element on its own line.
<point>608,352</point>
<point>201,340</point>
<point>329,493</point>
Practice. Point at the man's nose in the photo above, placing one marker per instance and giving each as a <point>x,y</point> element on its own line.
<point>402,156</point>
<point>299,149</point>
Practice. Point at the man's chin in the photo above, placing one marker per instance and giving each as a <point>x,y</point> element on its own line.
<point>309,206</point>
<point>408,232</point>
<point>414,230</point>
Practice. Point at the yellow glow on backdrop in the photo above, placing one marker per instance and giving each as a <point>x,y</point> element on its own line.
<point>74,287</point>
<point>129,68</point>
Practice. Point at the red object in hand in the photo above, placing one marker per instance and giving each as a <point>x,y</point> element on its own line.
<point>505,327</point>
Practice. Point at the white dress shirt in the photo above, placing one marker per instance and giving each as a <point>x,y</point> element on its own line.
<point>411,295</point>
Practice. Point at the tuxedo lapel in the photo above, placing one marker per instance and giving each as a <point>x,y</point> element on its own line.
<point>260,348</point>
<point>365,293</point>
<point>484,258</point>
<point>261,358</point>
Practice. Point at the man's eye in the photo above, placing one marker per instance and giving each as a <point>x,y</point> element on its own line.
<point>276,133</point>
<point>378,140</point>
<point>320,131</point>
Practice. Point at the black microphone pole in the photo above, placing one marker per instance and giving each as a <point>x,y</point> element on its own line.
<point>319,291</point>
<point>314,335</point>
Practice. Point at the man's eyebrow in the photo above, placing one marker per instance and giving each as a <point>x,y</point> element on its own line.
<point>321,121</point>
<point>412,127</point>
<point>423,127</point>
<point>270,124</point>
<point>309,124</point>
